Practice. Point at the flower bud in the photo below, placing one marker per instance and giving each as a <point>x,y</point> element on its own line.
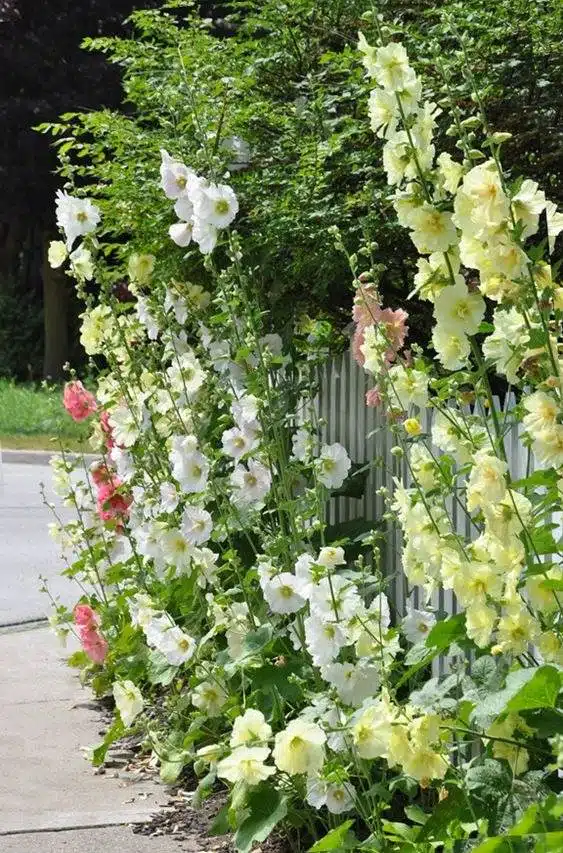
<point>397,452</point>
<point>499,137</point>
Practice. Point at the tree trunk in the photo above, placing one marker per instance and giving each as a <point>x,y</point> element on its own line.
<point>55,313</point>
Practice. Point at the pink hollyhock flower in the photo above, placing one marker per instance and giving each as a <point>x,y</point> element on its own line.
<point>95,646</point>
<point>85,618</point>
<point>101,473</point>
<point>78,401</point>
<point>106,429</point>
<point>111,503</point>
<point>366,306</point>
<point>373,397</point>
<point>368,312</point>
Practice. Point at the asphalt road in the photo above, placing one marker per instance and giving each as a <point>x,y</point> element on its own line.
<point>26,549</point>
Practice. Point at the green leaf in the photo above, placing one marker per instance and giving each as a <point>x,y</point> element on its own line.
<point>220,824</point>
<point>159,671</point>
<point>78,659</point>
<point>446,632</point>
<point>255,641</point>
<point>543,541</point>
<point>455,806</point>
<point>267,807</point>
<point>339,838</point>
<point>99,752</point>
<point>541,691</point>
<point>547,477</point>
<point>491,706</point>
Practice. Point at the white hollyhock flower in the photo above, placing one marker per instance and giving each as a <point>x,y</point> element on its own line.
<point>284,593</point>
<point>433,229</point>
<point>299,748</point>
<point>409,387</point>
<point>372,728</point>
<point>457,310</point>
<point>176,179</point>
<point>337,797</point>
<point>184,209</point>
<point>301,443</point>
<point>332,465</point>
<point>554,224</point>
<point>205,560</point>
<point>156,628</point>
<point>452,348</point>
<point>216,205</point>
<point>124,424</point>
<point>380,612</point>
<point>57,254</point>
<point>302,570</point>
<point>354,683</point>
<point>504,346</point>
<point>181,233</point>
<point>191,472</point>
<point>251,484</point>
<point>391,68</point>
<point>197,525</point>
<point>246,765</point>
<point>209,697</point>
<point>186,374</point>
<point>250,727</point>
<point>542,412</point>
<point>487,481</point>
<point>147,319</point>
<point>205,235</point>
<point>330,557</point>
<point>383,111</point>
<point>417,624</point>
<point>176,550</point>
<point>527,205</point>
<point>334,598</point>
<point>450,172</point>
<point>169,498</point>
<point>324,639</point>
<point>128,701</point>
<point>245,413</point>
<point>76,216</point>
<point>176,646</point>
<point>238,442</point>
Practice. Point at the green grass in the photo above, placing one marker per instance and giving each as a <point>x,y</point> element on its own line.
<point>33,417</point>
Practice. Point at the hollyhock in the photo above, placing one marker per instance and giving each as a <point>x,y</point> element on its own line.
<point>95,646</point>
<point>112,504</point>
<point>392,323</point>
<point>78,401</point>
<point>85,618</point>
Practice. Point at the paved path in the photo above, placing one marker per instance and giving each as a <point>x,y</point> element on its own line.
<point>50,799</point>
<point>26,549</point>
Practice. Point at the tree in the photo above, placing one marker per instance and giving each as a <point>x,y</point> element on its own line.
<point>44,73</point>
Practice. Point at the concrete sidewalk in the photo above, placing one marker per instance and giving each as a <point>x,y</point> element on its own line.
<point>50,799</point>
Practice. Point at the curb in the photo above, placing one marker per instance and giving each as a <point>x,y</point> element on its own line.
<point>39,457</point>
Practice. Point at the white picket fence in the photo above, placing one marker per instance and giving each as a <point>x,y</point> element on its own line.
<point>363,431</point>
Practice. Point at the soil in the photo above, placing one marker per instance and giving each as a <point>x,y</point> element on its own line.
<point>189,826</point>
